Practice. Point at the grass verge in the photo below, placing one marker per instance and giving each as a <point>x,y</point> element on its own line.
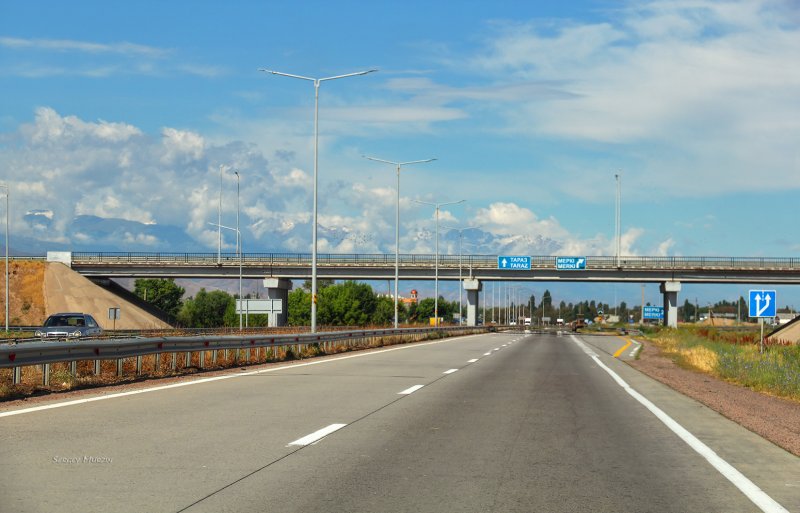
<point>735,357</point>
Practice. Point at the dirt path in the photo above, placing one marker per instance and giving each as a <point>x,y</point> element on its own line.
<point>776,419</point>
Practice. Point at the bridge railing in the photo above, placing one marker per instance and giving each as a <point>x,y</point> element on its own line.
<point>422,260</point>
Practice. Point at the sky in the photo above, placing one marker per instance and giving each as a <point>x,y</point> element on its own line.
<point>115,118</point>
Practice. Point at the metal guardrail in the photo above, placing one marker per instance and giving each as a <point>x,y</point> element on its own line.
<point>45,353</point>
<point>474,261</point>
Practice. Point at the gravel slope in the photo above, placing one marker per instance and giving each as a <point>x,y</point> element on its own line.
<point>774,418</point>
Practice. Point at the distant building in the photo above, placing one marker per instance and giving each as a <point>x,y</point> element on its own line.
<point>409,300</point>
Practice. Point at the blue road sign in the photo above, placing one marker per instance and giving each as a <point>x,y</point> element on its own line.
<point>571,263</point>
<point>514,263</point>
<point>653,312</point>
<point>763,303</point>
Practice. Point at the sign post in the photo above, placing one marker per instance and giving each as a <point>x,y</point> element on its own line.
<point>762,304</point>
<point>653,313</point>
<point>114,314</point>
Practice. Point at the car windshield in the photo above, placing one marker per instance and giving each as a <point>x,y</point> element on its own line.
<point>64,320</point>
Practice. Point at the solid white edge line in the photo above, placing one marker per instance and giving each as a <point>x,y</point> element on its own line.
<point>450,371</point>
<point>410,390</point>
<point>472,361</point>
<point>74,402</point>
<point>756,495</point>
<point>317,435</point>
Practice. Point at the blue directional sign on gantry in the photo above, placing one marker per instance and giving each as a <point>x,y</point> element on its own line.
<point>514,263</point>
<point>571,263</point>
<point>763,303</point>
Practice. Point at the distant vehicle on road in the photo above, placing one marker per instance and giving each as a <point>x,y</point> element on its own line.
<point>69,325</point>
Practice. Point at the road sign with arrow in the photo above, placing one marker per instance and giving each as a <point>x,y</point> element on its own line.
<point>514,263</point>
<point>763,303</point>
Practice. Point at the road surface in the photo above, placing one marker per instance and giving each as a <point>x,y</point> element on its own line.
<point>496,422</point>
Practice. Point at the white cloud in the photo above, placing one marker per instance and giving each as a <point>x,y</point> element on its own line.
<point>52,128</point>
<point>70,167</point>
<point>71,45</point>
<point>181,144</point>
<point>74,167</point>
<point>699,94</point>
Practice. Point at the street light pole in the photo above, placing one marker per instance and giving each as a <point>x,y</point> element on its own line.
<point>397,226</point>
<point>460,279</point>
<point>317,82</point>
<point>437,206</point>
<point>239,246</point>
<point>618,216</point>
<point>6,187</point>
<point>240,269</point>
<point>219,220</point>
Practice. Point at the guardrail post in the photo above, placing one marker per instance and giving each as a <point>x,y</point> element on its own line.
<point>73,368</point>
<point>138,365</point>
<point>214,357</point>
<point>174,361</point>
<point>97,367</point>
<point>187,362</point>
<point>156,363</point>
<point>202,359</point>
<point>46,374</point>
<point>16,375</point>
<point>120,367</point>
<point>247,354</point>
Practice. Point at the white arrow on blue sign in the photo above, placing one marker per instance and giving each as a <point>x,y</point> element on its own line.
<point>763,303</point>
<point>514,263</point>
<point>571,263</point>
<point>653,312</point>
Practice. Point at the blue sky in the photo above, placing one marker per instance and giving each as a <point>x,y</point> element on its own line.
<point>124,111</point>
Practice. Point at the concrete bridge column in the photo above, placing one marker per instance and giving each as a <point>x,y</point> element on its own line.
<point>670,290</point>
<point>473,288</point>
<point>278,288</point>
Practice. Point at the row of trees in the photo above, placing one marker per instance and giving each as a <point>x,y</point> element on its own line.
<point>205,310</point>
<point>344,304</point>
<point>355,304</point>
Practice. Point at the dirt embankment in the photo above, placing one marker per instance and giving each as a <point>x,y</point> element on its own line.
<point>38,289</point>
<point>26,304</point>
<point>776,419</point>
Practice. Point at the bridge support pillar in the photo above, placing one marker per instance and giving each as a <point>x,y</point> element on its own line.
<point>473,288</point>
<point>670,291</point>
<point>278,288</point>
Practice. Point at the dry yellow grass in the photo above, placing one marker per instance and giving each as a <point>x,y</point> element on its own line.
<point>26,295</point>
<point>700,358</point>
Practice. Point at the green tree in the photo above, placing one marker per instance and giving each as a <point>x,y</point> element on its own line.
<point>348,304</point>
<point>207,309</point>
<point>384,311</point>
<point>299,308</point>
<point>164,294</point>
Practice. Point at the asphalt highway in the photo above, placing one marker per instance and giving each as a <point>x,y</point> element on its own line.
<point>497,422</point>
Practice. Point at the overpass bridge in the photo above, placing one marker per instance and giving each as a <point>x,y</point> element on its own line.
<point>279,268</point>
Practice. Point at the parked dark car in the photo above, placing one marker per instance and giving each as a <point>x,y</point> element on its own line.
<point>69,325</point>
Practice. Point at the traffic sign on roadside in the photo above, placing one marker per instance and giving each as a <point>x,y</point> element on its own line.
<point>653,312</point>
<point>514,263</point>
<point>763,303</point>
<point>571,263</point>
